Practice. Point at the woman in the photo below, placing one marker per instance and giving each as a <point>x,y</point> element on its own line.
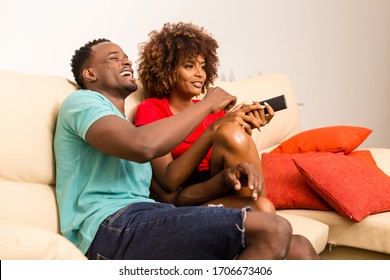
<point>177,64</point>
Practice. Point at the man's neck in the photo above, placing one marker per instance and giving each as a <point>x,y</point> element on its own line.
<point>118,100</point>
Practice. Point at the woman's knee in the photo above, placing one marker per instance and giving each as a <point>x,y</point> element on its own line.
<point>231,135</point>
<point>265,205</point>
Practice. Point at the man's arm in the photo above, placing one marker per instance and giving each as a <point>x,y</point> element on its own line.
<point>217,186</point>
<point>120,138</point>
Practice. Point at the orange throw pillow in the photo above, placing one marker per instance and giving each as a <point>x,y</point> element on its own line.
<point>326,139</point>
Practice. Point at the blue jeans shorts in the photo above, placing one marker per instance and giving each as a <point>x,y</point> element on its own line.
<point>151,231</point>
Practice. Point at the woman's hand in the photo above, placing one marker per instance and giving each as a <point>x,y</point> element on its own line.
<point>260,115</point>
<point>248,116</point>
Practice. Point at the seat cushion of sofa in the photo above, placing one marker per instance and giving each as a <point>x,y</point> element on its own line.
<point>372,233</point>
<point>315,231</point>
<point>19,241</point>
<point>33,204</point>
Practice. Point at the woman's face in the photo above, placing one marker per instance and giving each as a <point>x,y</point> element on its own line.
<point>191,76</point>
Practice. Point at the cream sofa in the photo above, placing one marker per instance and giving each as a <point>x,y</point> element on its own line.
<point>29,223</point>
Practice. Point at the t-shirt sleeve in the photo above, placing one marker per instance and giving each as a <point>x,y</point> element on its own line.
<point>150,110</point>
<point>81,110</point>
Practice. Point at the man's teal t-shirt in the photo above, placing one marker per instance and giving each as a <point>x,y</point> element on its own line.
<point>91,185</point>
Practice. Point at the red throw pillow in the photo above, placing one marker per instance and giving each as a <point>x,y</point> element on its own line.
<point>364,155</point>
<point>326,139</point>
<point>352,187</point>
<point>286,187</point>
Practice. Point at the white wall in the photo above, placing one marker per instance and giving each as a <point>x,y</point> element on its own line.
<point>336,52</point>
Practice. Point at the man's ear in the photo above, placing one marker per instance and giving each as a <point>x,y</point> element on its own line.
<point>88,75</point>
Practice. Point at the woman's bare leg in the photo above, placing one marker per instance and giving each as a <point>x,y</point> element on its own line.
<point>232,145</point>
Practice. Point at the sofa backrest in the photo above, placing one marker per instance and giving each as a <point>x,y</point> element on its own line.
<point>29,105</point>
<point>285,123</point>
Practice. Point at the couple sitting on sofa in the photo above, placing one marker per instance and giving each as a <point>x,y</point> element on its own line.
<point>103,170</point>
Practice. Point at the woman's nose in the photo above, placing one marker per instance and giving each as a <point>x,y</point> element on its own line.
<point>199,72</point>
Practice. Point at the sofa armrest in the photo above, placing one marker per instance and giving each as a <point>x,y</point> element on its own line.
<point>382,159</point>
<point>25,242</point>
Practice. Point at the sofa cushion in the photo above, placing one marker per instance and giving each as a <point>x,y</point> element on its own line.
<point>372,233</point>
<point>19,241</point>
<point>325,139</point>
<point>316,232</point>
<point>29,203</point>
<point>29,111</point>
<point>352,187</point>
<point>285,185</point>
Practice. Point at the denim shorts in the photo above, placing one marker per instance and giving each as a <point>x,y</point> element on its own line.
<point>152,231</point>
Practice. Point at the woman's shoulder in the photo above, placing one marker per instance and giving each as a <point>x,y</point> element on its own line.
<point>150,110</point>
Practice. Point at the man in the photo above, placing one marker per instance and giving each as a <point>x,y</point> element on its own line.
<point>103,176</point>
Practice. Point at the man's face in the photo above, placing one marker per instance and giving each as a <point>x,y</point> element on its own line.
<point>112,69</point>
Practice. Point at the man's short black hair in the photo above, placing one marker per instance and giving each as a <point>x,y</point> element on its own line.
<point>79,59</point>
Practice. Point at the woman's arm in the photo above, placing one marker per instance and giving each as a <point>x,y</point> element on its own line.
<point>192,195</point>
<point>200,193</point>
<point>217,186</point>
<point>172,173</point>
